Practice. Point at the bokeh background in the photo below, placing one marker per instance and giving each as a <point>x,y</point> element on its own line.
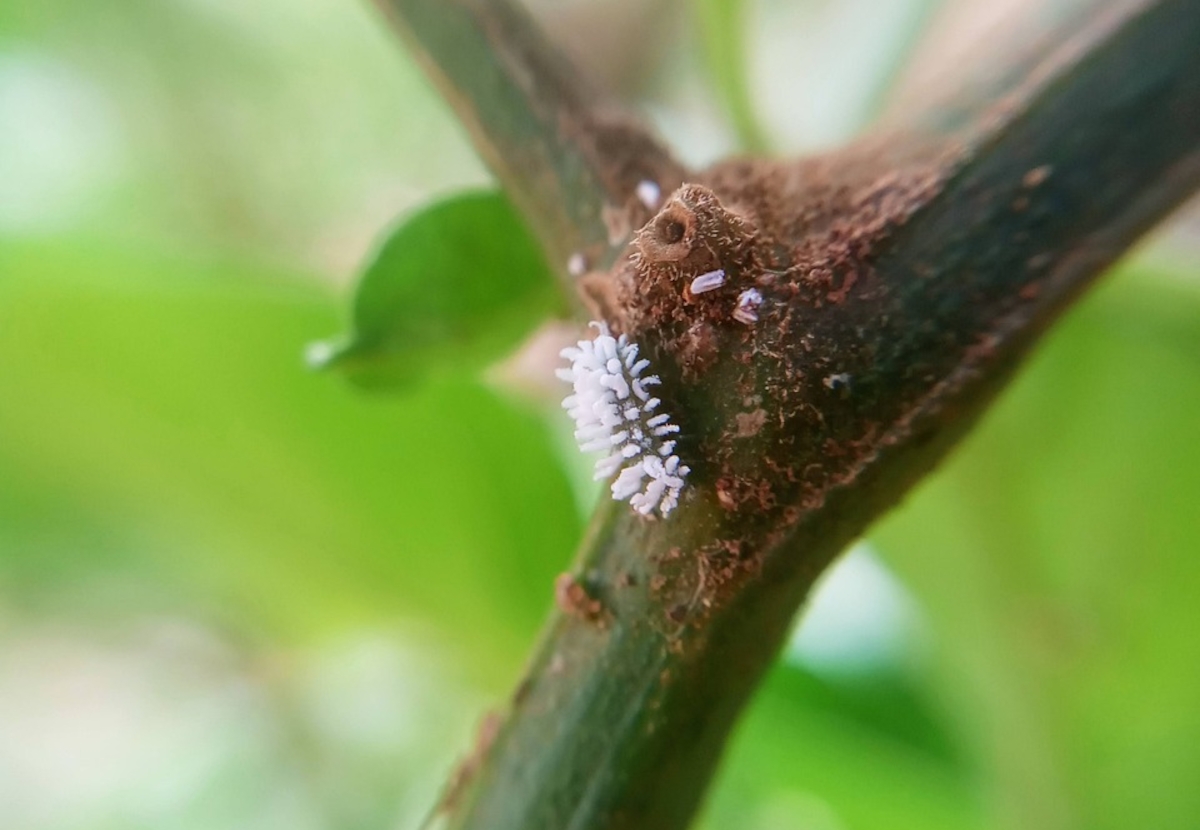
<point>235,593</point>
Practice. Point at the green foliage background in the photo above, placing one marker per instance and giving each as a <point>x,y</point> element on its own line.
<point>238,593</point>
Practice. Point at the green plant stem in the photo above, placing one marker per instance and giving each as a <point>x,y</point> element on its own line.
<point>669,625</point>
<point>565,154</point>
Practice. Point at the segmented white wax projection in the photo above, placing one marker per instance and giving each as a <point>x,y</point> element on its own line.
<point>615,413</point>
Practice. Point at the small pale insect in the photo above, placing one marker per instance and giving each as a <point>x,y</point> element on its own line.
<point>746,310</point>
<point>649,193</point>
<point>577,264</point>
<point>710,281</point>
<point>615,413</point>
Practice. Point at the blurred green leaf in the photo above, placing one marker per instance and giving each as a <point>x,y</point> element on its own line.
<point>855,753</point>
<point>453,286</point>
<point>163,448</point>
<point>1056,557</point>
<point>723,39</point>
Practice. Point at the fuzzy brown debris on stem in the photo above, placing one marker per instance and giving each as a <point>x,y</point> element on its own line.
<point>798,239</point>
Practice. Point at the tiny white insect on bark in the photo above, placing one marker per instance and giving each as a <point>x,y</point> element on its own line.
<point>746,310</point>
<point>615,413</point>
<point>577,264</point>
<point>649,193</point>
<point>709,281</point>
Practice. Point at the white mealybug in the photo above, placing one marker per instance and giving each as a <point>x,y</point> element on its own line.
<point>746,310</point>
<point>577,264</point>
<point>614,413</point>
<point>709,281</point>
<point>649,193</point>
